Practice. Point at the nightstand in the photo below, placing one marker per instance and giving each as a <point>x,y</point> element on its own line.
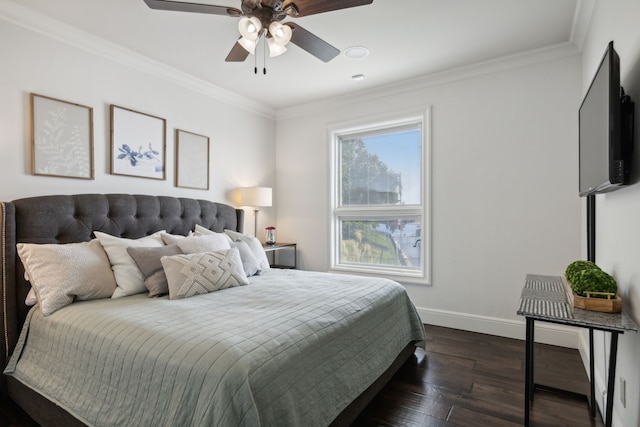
<point>281,251</point>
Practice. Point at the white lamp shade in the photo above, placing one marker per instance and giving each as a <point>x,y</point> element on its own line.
<point>280,34</point>
<point>275,49</point>
<point>250,28</point>
<point>255,196</point>
<point>248,45</point>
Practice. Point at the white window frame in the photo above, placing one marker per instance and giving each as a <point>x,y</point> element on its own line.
<point>421,276</point>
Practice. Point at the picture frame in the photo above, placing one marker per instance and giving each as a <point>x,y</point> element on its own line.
<point>138,144</point>
<point>192,160</point>
<point>61,138</point>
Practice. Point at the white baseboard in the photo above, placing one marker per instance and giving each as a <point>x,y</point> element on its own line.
<point>547,333</point>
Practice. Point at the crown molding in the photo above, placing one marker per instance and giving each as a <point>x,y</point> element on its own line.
<point>54,29</point>
<point>581,22</point>
<point>518,60</point>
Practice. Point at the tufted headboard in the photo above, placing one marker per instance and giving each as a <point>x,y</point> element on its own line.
<point>68,219</point>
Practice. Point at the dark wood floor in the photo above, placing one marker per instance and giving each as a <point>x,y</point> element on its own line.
<point>463,379</point>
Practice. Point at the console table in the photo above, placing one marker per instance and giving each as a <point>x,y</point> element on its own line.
<point>544,298</point>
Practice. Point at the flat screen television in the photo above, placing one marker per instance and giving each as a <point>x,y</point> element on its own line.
<point>606,130</point>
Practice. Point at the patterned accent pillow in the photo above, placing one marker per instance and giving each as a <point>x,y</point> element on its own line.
<point>62,273</point>
<point>201,273</point>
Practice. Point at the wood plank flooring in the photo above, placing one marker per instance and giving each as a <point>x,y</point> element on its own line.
<point>463,379</point>
<point>470,379</point>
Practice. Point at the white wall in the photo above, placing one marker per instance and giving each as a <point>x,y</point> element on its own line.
<point>617,220</point>
<point>504,182</point>
<point>55,61</point>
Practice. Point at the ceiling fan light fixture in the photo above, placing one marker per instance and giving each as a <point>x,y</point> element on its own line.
<point>280,34</point>
<point>275,49</point>
<point>248,45</point>
<point>250,28</point>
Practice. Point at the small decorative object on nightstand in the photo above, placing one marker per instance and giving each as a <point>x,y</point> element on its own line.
<point>278,252</point>
<point>270,235</point>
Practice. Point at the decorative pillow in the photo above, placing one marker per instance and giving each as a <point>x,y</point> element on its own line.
<point>254,245</point>
<point>201,231</point>
<point>61,273</point>
<point>31,299</point>
<point>250,263</point>
<point>148,261</point>
<point>201,273</point>
<point>208,243</point>
<point>128,277</point>
<point>172,239</point>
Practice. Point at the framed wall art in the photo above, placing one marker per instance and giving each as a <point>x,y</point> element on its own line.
<point>138,144</point>
<point>192,160</point>
<point>61,138</point>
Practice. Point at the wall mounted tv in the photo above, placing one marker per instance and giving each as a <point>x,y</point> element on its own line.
<point>606,130</point>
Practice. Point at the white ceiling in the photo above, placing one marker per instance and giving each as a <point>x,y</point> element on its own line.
<point>407,39</point>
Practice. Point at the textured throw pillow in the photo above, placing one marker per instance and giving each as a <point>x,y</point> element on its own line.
<point>148,261</point>
<point>254,245</point>
<point>250,263</point>
<point>208,243</point>
<point>62,273</point>
<point>201,273</point>
<point>128,277</point>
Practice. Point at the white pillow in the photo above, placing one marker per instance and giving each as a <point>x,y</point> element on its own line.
<point>204,243</point>
<point>172,239</point>
<point>128,277</point>
<point>62,273</point>
<point>31,299</point>
<point>201,231</point>
<point>254,245</point>
<point>201,273</point>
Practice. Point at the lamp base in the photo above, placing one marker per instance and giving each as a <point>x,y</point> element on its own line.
<point>255,225</point>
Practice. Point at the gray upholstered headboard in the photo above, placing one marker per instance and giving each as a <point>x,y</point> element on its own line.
<point>68,219</point>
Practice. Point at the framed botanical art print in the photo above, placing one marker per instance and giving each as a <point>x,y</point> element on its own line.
<point>61,138</point>
<point>138,144</point>
<point>192,160</point>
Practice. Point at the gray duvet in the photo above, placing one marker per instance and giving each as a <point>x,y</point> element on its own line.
<point>293,348</point>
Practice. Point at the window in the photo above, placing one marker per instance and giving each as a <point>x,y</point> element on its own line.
<point>379,221</point>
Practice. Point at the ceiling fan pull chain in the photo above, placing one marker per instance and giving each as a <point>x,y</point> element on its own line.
<point>255,64</point>
<point>264,55</point>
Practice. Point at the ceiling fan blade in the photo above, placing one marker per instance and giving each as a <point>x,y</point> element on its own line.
<point>192,7</point>
<point>312,43</point>
<point>311,7</point>
<point>237,53</point>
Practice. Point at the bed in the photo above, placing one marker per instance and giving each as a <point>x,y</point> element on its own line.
<point>288,348</point>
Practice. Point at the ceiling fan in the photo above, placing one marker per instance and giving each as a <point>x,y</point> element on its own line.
<point>262,17</point>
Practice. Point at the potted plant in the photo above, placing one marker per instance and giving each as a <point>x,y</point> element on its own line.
<point>592,288</point>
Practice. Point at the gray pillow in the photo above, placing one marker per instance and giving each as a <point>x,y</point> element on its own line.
<point>201,273</point>
<point>148,261</point>
<point>250,263</point>
<point>254,244</point>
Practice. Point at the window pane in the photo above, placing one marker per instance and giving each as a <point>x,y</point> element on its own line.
<point>388,242</point>
<point>381,168</point>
